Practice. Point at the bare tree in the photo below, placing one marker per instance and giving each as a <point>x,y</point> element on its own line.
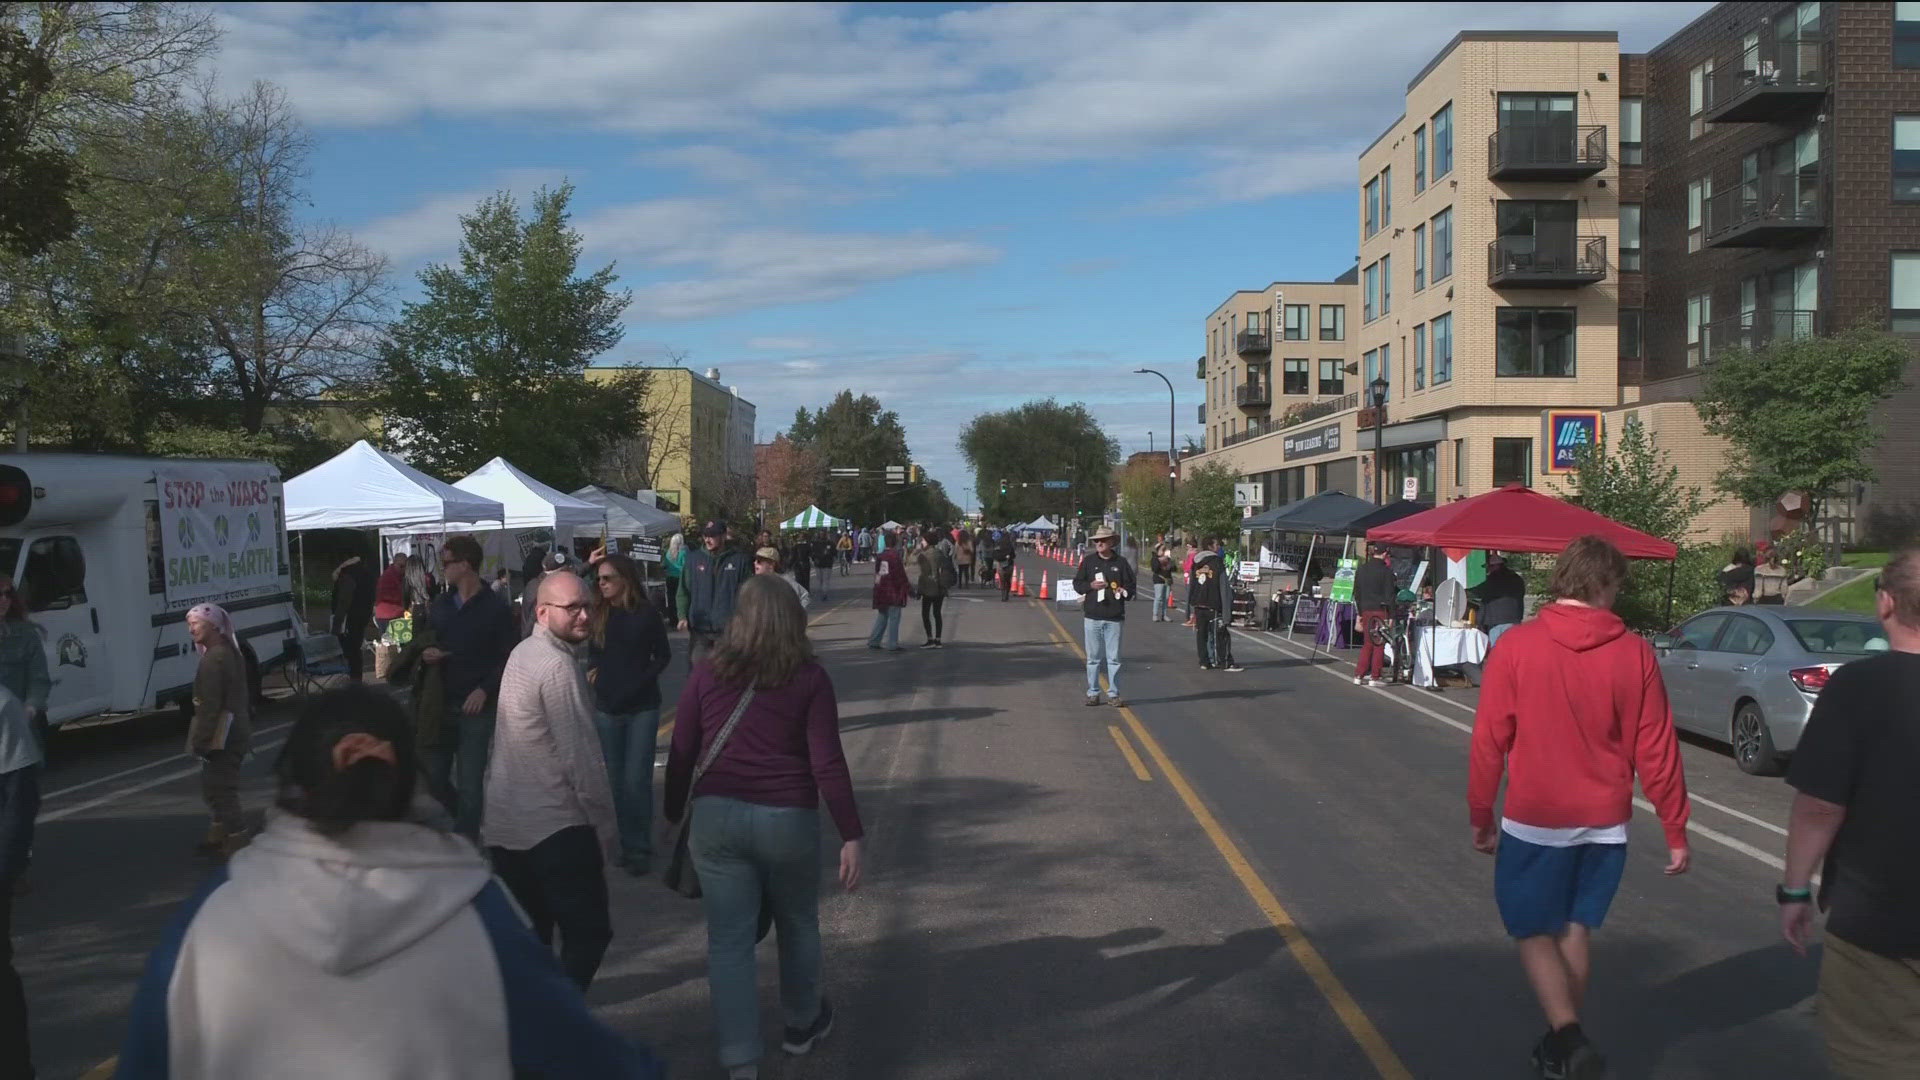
<point>666,434</point>
<point>294,309</point>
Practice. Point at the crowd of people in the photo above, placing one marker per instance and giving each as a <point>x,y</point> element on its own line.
<point>432,873</point>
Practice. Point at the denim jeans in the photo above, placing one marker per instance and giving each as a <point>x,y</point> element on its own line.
<point>742,851</point>
<point>1160,590</point>
<point>1103,643</point>
<point>19,806</point>
<point>457,775</point>
<point>886,621</point>
<point>822,578</point>
<point>629,742</point>
<point>1493,634</point>
<point>561,883</point>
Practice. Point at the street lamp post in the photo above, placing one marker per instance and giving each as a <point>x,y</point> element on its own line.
<point>1378,387</point>
<point>1173,463</point>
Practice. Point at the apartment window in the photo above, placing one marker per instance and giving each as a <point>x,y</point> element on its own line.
<point>1906,35</point>
<point>1698,193</point>
<point>1442,346</point>
<point>1419,356</point>
<point>1459,462</point>
<point>1372,191</point>
<point>1533,342</point>
<point>1256,321</point>
<point>1294,378</point>
<point>1419,257</point>
<point>1537,126</point>
<point>1632,333</point>
<point>1386,365</point>
<point>1386,284</point>
<point>1512,462</point>
<point>1443,141</point>
<point>1386,197</point>
<point>1369,369</point>
<point>1333,322</point>
<point>1536,233</point>
<point>1443,244</point>
<point>1333,377</point>
<point>1370,297</point>
<point>1297,321</point>
<point>1419,159</point>
<point>1629,236</point>
<point>1906,292</point>
<point>1699,97</point>
<point>1632,150</point>
<point>1906,159</point>
<point>1699,314</point>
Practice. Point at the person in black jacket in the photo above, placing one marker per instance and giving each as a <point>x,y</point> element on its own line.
<point>1163,571</point>
<point>1373,595</point>
<point>626,652</point>
<point>1212,608</point>
<point>709,583</point>
<point>1105,583</point>
<point>353,583</point>
<point>1502,596</point>
<point>822,565</point>
<point>475,632</point>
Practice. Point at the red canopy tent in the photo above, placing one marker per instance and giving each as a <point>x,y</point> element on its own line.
<point>1516,518</point>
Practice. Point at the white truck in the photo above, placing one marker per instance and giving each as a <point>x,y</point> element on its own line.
<point>108,553</point>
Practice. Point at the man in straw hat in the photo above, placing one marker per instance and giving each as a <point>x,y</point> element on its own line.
<point>1105,583</point>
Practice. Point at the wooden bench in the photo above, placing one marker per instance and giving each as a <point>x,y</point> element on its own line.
<point>311,661</point>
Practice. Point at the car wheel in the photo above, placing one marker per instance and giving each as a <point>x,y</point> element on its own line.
<point>1752,743</point>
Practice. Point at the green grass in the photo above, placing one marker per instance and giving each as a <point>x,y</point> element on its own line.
<point>1873,559</point>
<point>1855,596</point>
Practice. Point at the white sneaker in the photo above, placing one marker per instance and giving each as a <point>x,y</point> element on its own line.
<point>1358,681</point>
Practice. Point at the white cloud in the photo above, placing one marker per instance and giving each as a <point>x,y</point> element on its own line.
<point>782,344</point>
<point>430,230</point>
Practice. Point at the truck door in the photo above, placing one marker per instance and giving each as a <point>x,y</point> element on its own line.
<point>53,584</point>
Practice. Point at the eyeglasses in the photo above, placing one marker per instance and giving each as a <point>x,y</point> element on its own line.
<point>571,609</point>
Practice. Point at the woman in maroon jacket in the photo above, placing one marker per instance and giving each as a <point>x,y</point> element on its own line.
<point>889,594</point>
<point>756,823</point>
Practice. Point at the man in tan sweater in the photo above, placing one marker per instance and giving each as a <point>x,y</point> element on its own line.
<point>549,821</point>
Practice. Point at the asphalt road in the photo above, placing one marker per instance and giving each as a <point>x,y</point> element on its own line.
<point>1260,874</point>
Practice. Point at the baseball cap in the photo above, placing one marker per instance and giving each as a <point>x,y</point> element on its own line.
<point>556,560</point>
<point>714,528</point>
<point>768,554</point>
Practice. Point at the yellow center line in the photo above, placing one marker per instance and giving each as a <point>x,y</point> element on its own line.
<point>1385,1061</point>
<point>1127,751</point>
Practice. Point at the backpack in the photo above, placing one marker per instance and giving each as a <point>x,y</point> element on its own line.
<point>944,571</point>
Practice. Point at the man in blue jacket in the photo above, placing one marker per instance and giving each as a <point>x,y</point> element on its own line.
<point>708,587</point>
<point>474,632</point>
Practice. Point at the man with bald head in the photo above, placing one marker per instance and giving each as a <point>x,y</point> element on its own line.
<point>549,823</point>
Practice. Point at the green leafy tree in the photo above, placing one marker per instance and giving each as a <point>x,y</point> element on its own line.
<point>37,182</point>
<point>1206,501</point>
<point>856,433</point>
<point>1038,441</point>
<point>490,361</point>
<point>1146,504</point>
<point>1799,412</point>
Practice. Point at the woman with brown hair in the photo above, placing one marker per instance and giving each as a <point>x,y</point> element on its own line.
<point>756,749</point>
<point>627,650</point>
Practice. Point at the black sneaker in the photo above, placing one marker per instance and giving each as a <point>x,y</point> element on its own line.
<point>1566,1054</point>
<point>929,644</point>
<point>1231,666</point>
<point>798,1041</point>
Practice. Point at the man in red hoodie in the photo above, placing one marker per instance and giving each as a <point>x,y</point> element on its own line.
<point>1572,709</point>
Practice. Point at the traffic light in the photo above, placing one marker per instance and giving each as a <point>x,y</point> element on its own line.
<point>1003,486</point>
<point>915,473</point>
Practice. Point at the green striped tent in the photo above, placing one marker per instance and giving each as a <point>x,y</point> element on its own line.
<point>813,518</point>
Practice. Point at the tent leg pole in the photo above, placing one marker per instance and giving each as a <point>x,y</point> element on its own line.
<point>299,579</point>
<point>1300,589</point>
<point>1671,568</point>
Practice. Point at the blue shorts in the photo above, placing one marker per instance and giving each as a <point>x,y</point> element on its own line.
<point>1541,889</point>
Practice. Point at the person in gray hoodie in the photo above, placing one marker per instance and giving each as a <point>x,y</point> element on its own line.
<point>352,940</point>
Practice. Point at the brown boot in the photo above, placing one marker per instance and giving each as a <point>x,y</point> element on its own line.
<point>216,839</point>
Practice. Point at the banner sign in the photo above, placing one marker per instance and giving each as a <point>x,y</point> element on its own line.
<point>1342,588</point>
<point>1321,440</point>
<point>1564,432</point>
<point>219,532</point>
<point>646,548</point>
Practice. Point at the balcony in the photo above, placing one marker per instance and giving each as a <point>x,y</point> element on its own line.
<point>1526,262</point>
<point>1253,343</point>
<point>1253,395</point>
<point>1756,330</point>
<point>1773,211</point>
<point>1200,368</point>
<point>1790,84</point>
<point>1547,152</point>
<point>1253,430</point>
<point>1200,416</point>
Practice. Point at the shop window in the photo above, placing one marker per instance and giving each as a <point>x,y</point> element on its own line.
<point>1512,462</point>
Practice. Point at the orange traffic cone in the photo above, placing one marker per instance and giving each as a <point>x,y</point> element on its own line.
<point>1170,604</point>
<point>1043,587</point>
<point>1020,582</point>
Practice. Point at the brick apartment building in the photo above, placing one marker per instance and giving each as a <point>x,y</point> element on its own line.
<point>1757,175</point>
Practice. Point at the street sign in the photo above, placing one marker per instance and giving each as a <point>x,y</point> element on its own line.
<point>896,474</point>
<point>845,473</point>
<point>1246,510</point>
<point>1410,488</point>
<point>1057,485</point>
<point>1246,495</point>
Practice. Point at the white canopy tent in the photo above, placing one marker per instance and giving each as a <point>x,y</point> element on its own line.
<point>527,503</point>
<point>629,517</point>
<point>889,524</point>
<point>362,487</point>
<point>1039,524</point>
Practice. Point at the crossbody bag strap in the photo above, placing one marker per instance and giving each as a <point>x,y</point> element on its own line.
<point>720,740</point>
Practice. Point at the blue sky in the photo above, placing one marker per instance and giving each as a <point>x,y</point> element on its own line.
<point>955,208</point>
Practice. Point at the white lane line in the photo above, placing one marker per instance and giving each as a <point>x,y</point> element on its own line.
<point>144,785</point>
<point>142,768</point>
<point>1715,835</point>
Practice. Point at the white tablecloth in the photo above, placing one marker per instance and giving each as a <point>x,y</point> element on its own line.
<point>1447,646</point>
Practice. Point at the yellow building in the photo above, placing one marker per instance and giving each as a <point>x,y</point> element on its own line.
<point>697,453</point>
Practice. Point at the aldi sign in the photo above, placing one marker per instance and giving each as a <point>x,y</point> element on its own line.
<point>1563,433</point>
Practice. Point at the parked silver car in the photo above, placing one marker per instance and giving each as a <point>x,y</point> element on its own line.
<point>1748,675</point>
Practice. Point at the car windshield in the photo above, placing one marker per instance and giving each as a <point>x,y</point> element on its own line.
<point>9,554</point>
<point>1851,637</point>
